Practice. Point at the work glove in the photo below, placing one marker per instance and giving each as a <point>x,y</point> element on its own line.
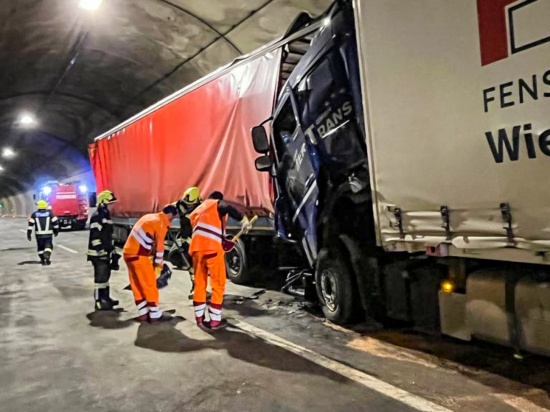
<point>115,257</point>
<point>158,270</point>
<point>245,225</point>
<point>29,236</point>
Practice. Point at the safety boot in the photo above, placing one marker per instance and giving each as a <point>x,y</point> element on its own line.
<point>103,304</point>
<point>216,324</point>
<point>108,296</point>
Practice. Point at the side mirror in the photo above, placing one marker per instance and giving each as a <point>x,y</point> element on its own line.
<point>263,163</point>
<point>260,140</point>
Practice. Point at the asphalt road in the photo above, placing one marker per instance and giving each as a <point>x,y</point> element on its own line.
<point>59,355</point>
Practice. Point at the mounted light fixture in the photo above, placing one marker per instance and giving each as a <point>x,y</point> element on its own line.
<point>1,169</point>
<point>27,119</point>
<point>8,153</point>
<point>90,5</point>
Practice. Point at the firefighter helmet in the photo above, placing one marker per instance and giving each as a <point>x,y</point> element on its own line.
<point>42,204</point>
<point>106,197</point>
<point>191,196</point>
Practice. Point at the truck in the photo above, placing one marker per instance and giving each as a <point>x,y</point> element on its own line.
<point>199,136</point>
<point>409,151</point>
<point>68,201</point>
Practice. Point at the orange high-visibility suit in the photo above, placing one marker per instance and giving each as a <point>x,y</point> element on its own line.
<point>146,242</point>
<point>208,257</point>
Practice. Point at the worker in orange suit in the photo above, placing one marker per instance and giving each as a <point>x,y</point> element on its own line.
<point>208,222</point>
<point>144,256</point>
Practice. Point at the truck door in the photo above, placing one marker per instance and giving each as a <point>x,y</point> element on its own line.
<point>296,177</point>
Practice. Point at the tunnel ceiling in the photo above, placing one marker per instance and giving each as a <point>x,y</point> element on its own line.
<point>79,73</point>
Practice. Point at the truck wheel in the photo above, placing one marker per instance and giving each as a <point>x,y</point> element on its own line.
<point>235,263</point>
<point>334,287</point>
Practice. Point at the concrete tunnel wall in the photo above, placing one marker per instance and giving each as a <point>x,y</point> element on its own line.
<point>23,204</point>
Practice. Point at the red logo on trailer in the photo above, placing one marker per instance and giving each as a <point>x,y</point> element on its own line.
<point>501,32</point>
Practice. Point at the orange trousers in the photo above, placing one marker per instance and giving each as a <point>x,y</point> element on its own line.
<point>142,279</point>
<point>213,263</point>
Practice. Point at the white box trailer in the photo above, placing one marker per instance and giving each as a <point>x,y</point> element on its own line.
<point>453,125</point>
<point>456,99</point>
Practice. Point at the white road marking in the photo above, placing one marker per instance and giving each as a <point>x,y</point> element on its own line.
<point>67,249</point>
<point>362,378</point>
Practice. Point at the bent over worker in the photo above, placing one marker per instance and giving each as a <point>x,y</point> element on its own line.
<point>208,221</point>
<point>101,251</point>
<point>144,256</point>
<point>45,225</point>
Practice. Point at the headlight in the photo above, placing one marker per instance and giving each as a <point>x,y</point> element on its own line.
<point>46,190</point>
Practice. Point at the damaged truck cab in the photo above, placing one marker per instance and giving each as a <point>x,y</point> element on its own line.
<point>317,157</point>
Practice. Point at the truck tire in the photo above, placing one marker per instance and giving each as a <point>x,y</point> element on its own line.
<point>236,264</point>
<point>334,287</point>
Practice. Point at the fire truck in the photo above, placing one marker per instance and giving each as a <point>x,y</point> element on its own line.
<point>68,201</point>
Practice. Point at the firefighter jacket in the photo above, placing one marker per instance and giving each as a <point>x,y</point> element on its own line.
<point>184,212</point>
<point>44,223</point>
<point>147,237</point>
<point>100,243</point>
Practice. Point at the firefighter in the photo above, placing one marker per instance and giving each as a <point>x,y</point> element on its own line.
<point>208,222</point>
<point>45,225</point>
<point>146,241</point>
<point>101,251</point>
<point>189,201</point>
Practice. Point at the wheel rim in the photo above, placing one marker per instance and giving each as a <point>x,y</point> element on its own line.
<point>234,262</point>
<point>329,289</point>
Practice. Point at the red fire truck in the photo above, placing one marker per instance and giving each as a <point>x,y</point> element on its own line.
<point>68,201</point>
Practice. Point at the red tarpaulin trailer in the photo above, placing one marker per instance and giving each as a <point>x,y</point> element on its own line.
<point>200,138</point>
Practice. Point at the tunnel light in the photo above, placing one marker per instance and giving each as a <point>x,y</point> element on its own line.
<point>8,153</point>
<point>447,286</point>
<point>46,190</point>
<point>27,120</point>
<point>83,188</point>
<point>1,169</point>
<point>90,5</point>
<point>326,21</point>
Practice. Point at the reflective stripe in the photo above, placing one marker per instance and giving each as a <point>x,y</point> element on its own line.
<point>214,316</point>
<point>31,221</point>
<point>41,252</point>
<point>107,221</point>
<point>54,219</point>
<point>154,312</point>
<point>215,311</point>
<point>96,242</point>
<point>144,235</point>
<point>160,254</point>
<point>143,311</point>
<point>44,232</point>
<point>96,225</point>
<point>101,285</point>
<point>209,227</point>
<point>47,250</point>
<point>142,304</point>
<point>140,240</point>
<point>92,252</point>
<point>209,235</point>
<point>199,310</point>
<point>159,261</point>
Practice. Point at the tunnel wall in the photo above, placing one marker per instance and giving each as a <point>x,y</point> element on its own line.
<point>23,204</point>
